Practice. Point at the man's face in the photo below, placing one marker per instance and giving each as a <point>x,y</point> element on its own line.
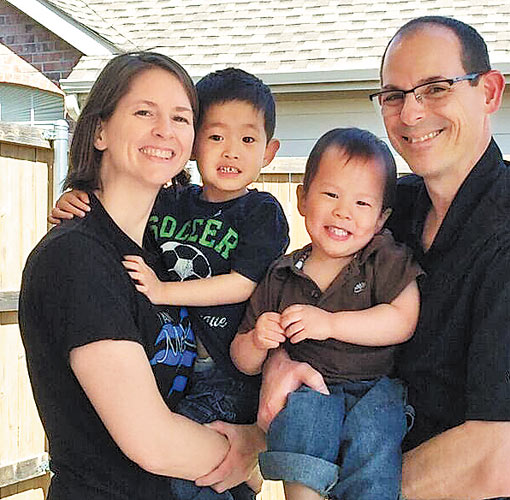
<point>443,138</point>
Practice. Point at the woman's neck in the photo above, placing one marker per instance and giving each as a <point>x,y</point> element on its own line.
<point>129,206</point>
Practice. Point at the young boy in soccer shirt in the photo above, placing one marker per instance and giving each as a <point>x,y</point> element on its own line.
<point>340,304</point>
<point>221,232</point>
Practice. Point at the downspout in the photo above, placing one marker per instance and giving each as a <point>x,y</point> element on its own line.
<point>60,137</point>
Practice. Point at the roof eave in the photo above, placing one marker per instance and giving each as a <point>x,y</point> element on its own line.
<point>300,82</point>
<point>74,33</point>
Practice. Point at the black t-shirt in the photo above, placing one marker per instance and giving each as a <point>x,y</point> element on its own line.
<point>76,291</point>
<point>457,364</point>
<point>199,239</point>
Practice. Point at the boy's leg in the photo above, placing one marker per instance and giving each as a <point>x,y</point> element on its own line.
<point>370,453</point>
<point>304,438</point>
<point>214,395</point>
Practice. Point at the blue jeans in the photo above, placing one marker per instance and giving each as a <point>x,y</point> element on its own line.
<point>214,395</point>
<point>345,445</point>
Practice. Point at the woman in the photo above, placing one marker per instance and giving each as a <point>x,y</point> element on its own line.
<point>106,365</point>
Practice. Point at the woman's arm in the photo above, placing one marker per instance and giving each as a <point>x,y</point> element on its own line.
<point>119,382</point>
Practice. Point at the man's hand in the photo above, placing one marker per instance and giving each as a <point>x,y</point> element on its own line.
<point>268,334</point>
<point>302,322</point>
<point>281,377</point>
<point>240,464</point>
<point>68,205</point>
<point>145,278</point>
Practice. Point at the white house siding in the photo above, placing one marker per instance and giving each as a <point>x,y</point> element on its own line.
<point>302,120</point>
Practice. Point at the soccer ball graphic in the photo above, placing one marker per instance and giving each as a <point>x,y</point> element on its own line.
<point>184,262</point>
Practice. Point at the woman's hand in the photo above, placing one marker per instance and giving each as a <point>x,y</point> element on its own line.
<point>240,464</point>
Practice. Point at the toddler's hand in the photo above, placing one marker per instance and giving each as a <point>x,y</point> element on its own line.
<point>268,334</point>
<point>68,205</point>
<point>301,321</point>
<point>145,278</point>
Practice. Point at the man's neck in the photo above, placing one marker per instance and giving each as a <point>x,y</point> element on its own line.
<point>442,190</point>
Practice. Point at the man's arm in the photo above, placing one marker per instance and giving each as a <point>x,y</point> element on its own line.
<point>469,461</point>
<point>380,325</point>
<point>218,290</point>
<point>282,376</point>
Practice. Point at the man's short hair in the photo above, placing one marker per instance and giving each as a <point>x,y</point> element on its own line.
<point>474,54</point>
<point>234,84</point>
<point>355,143</point>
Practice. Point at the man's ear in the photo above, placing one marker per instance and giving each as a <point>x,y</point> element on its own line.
<point>272,148</point>
<point>382,219</point>
<point>301,199</point>
<point>100,137</point>
<point>493,84</point>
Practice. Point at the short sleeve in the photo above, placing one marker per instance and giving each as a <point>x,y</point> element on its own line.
<point>263,237</point>
<point>488,365</point>
<point>80,292</point>
<point>393,269</point>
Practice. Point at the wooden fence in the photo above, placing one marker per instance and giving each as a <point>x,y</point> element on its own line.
<point>26,173</point>
<point>26,162</point>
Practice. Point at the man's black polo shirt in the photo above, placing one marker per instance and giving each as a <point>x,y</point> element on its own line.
<point>457,364</point>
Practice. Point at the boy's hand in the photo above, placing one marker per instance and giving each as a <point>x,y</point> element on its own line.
<point>268,333</point>
<point>68,205</point>
<point>302,322</point>
<point>145,278</point>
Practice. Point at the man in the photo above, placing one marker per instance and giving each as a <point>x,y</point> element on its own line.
<point>438,92</point>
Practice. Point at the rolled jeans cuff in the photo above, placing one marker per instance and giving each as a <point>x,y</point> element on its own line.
<point>316,473</point>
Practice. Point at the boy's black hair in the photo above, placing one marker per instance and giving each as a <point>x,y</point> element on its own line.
<point>474,54</point>
<point>355,143</point>
<point>234,84</point>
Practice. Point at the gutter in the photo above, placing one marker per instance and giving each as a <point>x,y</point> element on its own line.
<point>361,79</point>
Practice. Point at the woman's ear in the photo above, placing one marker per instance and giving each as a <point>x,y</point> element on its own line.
<point>100,137</point>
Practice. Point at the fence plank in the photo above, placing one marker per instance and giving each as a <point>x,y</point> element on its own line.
<point>25,172</point>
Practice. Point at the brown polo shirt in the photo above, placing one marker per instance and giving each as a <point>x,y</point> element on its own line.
<point>376,275</point>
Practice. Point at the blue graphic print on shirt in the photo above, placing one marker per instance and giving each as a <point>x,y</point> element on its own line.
<point>179,347</point>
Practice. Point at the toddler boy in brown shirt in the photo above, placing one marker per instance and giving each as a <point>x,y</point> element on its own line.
<point>342,304</point>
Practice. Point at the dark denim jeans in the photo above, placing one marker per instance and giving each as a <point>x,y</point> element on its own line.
<point>345,445</point>
<point>214,395</point>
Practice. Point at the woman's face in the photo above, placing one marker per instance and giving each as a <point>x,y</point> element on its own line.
<point>148,138</point>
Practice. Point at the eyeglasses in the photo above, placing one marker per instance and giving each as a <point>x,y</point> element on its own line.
<point>431,93</point>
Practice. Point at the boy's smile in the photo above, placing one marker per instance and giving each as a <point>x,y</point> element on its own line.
<point>230,149</point>
<point>343,205</point>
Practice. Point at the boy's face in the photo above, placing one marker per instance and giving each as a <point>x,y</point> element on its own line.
<point>230,149</point>
<point>343,205</point>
